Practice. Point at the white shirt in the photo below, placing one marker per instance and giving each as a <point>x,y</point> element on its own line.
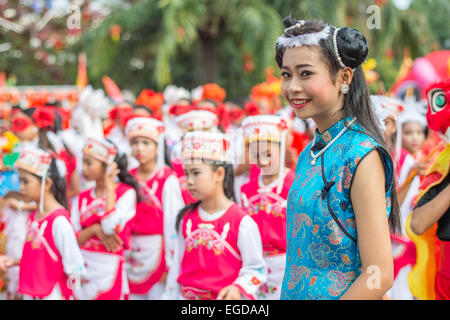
<point>172,202</point>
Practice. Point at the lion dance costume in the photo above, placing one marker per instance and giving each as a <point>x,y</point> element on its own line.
<point>432,254</point>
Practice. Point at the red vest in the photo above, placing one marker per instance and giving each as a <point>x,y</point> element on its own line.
<point>93,211</point>
<point>211,259</point>
<point>149,220</point>
<point>41,266</point>
<point>268,209</point>
<point>149,212</point>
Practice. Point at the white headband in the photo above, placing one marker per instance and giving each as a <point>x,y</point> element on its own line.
<point>308,39</point>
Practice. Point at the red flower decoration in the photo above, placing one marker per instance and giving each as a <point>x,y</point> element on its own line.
<point>214,92</point>
<point>44,118</point>
<point>251,109</point>
<point>160,129</point>
<point>255,281</point>
<point>151,99</point>
<point>21,123</point>
<point>282,125</point>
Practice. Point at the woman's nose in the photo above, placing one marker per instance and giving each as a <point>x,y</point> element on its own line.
<point>294,87</point>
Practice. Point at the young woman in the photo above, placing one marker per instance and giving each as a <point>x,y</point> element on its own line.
<point>153,232</point>
<point>264,196</point>
<point>51,262</point>
<point>101,218</point>
<point>338,241</point>
<point>219,251</point>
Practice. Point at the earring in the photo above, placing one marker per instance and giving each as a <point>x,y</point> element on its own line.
<point>344,88</point>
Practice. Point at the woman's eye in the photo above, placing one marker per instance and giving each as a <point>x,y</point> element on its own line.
<point>305,73</point>
<point>285,74</point>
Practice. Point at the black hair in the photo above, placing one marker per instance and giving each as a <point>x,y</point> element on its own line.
<point>58,188</point>
<point>228,189</point>
<point>125,176</point>
<point>353,50</point>
<point>138,106</point>
<point>167,158</point>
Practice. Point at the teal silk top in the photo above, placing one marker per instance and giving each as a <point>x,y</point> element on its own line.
<point>322,261</point>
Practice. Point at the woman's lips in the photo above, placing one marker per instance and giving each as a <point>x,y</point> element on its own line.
<point>299,103</point>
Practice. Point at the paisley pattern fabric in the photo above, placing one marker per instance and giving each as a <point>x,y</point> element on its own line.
<point>321,260</point>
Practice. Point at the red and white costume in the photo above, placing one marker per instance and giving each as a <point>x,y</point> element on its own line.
<point>51,259</point>
<point>153,234</point>
<point>215,250</point>
<point>105,277</point>
<point>266,204</point>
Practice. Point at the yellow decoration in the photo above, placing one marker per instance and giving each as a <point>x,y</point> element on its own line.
<point>421,279</point>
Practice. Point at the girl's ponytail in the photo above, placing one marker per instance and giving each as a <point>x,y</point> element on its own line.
<point>58,188</point>
<point>189,208</point>
<point>124,176</point>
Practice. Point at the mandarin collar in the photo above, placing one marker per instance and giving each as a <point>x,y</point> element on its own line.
<point>330,133</point>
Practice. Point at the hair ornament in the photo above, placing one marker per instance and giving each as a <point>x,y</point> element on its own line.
<point>308,39</point>
<point>336,51</point>
<point>298,25</point>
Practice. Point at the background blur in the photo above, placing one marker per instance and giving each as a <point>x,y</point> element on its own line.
<point>154,43</point>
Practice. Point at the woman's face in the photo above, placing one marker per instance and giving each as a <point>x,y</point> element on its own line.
<point>92,169</point>
<point>307,84</point>
<point>202,181</point>
<point>413,136</point>
<point>266,155</point>
<point>30,186</point>
<point>143,149</point>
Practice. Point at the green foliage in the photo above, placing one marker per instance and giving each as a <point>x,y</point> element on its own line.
<point>190,42</point>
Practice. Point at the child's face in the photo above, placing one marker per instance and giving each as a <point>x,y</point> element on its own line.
<point>390,130</point>
<point>202,181</point>
<point>413,136</point>
<point>92,169</point>
<point>266,155</point>
<point>307,84</point>
<point>30,186</point>
<point>143,149</point>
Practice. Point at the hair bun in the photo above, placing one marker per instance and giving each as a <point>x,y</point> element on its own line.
<point>352,46</point>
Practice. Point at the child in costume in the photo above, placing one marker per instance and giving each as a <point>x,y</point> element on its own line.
<point>343,194</point>
<point>51,262</point>
<point>264,197</point>
<point>219,252</point>
<point>101,218</point>
<point>430,276</point>
<point>403,249</point>
<point>190,118</point>
<point>119,115</point>
<point>153,232</point>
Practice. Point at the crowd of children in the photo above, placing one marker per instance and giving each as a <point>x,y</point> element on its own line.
<point>185,195</point>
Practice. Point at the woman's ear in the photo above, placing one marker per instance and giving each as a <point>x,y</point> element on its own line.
<point>345,76</point>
